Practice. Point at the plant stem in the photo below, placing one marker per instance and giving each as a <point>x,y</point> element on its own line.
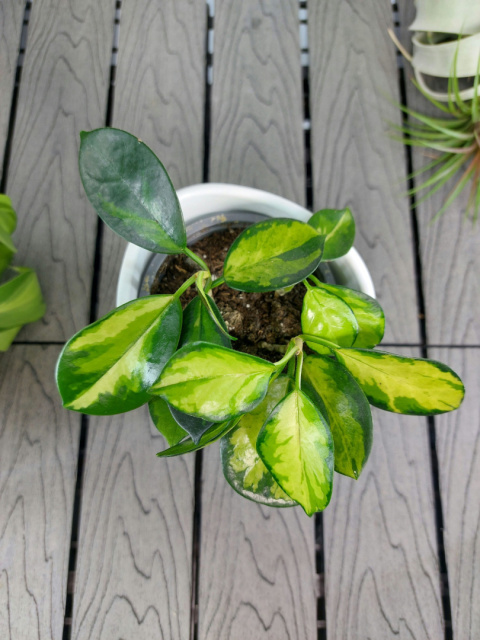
<point>217,282</point>
<point>290,353</point>
<point>298,372</point>
<point>322,341</point>
<point>315,280</point>
<point>196,259</point>
<point>185,285</point>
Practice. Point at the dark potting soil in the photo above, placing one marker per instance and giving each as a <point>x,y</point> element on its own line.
<point>263,322</point>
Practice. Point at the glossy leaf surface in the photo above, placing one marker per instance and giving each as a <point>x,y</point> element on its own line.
<point>368,313</point>
<point>242,466</point>
<point>326,316</point>
<point>198,326</point>
<point>21,299</point>
<point>296,445</point>
<point>338,227</point>
<point>164,421</point>
<point>404,385</point>
<point>273,254</point>
<point>131,191</point>
<point>213,382</point>
<point>342,402</point>
<point>193,426</point>
<point>109,366</point>
<point>209,437</point>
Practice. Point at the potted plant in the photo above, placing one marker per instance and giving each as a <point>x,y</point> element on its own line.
<point>21,299</point>
<point>285,426</point>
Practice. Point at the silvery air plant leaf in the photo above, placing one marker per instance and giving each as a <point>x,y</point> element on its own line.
<point>271,255</point>
<point>131,191</point>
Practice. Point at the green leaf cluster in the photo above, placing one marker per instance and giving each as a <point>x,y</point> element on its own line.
<point>21,299</point>
<point>284,427</point>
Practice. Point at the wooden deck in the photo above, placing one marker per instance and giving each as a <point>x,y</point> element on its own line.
<point>99,539</point>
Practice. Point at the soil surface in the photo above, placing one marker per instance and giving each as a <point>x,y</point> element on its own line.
<point>263,322</point>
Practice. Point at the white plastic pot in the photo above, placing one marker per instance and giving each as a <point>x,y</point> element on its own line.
<point>207,199</point>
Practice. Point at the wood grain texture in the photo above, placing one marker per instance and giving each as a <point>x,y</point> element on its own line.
<point>450,247</point>
<point>11,19</point>
<point>64,90</point>
<point>381,567</point>
<point>353,79</point>
<point>38,462</point>
<point>159,96</point>
<point>257,566</point>
<point>134,560</point>
<point>458,445</point>
<point>256,134</point>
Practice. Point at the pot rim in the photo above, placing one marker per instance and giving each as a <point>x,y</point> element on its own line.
<point>210,198</point>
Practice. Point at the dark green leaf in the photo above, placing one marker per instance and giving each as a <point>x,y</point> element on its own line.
<point>195,427</point>
<point>273,254</point>
<point>109,366</point>
<point>164,421</point>
<point>340,399</point>
<point>209,437</point>
<point>338,227</point>
<point>198,326</point>
<point>131,191</point>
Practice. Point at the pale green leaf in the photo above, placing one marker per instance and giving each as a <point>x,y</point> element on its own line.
<point>412,386</point>
<point>296,445</point>
<point>213,382</point>
<point>242,466</point>
<point>342,402</point>
<point>109,366</point>
<point>327,316</point>
<point>21,299</point>
<point>273,254</point>
<point>338,227</point>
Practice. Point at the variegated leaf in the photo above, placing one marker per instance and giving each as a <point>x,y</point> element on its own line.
<point>368,313</point>
<point>109,366</point>
<point>193,426</point>
<point>342,402</point>
<point>213,382</point>
<point>273,254</point>
<point>296,445</point>
<point>187,445</point>
<point>413,386</point>
<point>242,466</point>
<point>338,227</point>
<point>131,191</point>
<point>20,299</point>
<point>326,316</point>
<point>164,421</point>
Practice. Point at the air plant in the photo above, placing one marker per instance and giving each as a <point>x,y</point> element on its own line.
<point>454,137</point>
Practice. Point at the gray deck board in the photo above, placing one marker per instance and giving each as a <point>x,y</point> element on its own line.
<point>134,560</point>
<point>353,79</point>
<point>257,565</point>
<point>159,96</point>
<point>63,90</point>
<point>38,462</point>
<point>381,568</point>
<point>11,19</point>
<point>458,438</point>
<point>135,551</point>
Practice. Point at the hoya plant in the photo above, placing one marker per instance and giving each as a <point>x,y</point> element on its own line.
<point>284,427</point>
<point>21,299</point>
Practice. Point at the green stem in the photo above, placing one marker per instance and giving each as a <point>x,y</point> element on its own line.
<point>322,341</point>
<point>217,282</point>
<point>290,353</point>
<point>185,285</point>
<point>196,259</point>
<point>298,373</point>
<point>307,284</point>
<point>291,369</point>
<point>315,280</point>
